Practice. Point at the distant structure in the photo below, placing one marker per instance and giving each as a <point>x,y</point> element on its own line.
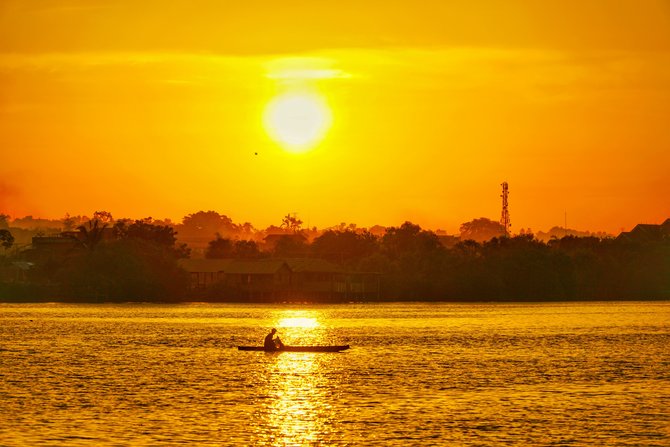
<point>647,233</point>
<point>504,218</point>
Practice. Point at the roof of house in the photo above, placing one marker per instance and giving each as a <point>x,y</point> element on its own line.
<point>314,265</point>
<point>233,266</point>
<point>263,266</point>
<point>205,265</point>
<point>647,232</point>
<point>648,229</point>
<point>256,266</point>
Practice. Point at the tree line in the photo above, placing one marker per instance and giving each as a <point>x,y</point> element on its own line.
<point>106,261</point>
<point>138,260</point>
<point>415,264</point>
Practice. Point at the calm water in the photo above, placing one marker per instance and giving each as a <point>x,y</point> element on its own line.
<point>585,374</point>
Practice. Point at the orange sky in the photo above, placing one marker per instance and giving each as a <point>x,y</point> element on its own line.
<point>157,110</point>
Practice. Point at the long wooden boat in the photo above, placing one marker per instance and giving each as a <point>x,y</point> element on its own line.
<point>298,348</point>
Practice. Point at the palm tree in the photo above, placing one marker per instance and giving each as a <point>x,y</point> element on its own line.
<point>91,234</point>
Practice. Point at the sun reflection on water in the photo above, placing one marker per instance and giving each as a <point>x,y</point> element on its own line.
<point>300,327</point>
<point>298,322</point>
<point>296,410</point>
<point>299,400</point>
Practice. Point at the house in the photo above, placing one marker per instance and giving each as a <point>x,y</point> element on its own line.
<point>258,278</point>
<point>204,272</point>
<point>15,272</point>
<point>647,232</point>
<point>315,278</point>
<point>61,244</point>
<point>53,246</point>
<point>282,279</point>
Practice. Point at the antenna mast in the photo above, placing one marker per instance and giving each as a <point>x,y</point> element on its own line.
<point>504,218</point>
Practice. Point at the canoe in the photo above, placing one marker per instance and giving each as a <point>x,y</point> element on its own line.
<point>298,348</point>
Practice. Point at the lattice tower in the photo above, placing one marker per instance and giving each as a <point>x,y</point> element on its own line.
<point>504,218</point>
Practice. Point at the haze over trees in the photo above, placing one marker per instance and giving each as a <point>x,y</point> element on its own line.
<point>561,232</point>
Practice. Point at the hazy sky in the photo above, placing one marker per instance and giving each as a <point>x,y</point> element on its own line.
<point>156,108</point>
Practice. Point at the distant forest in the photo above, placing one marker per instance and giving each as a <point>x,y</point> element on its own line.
<point>107,259</point>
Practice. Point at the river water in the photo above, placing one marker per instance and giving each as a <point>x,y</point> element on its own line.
<point>566,374</point>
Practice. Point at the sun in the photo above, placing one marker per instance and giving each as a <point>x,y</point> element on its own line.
<point>298,121</point>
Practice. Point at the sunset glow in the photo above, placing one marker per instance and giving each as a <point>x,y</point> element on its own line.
<point>334,223</point>
<point>373,112</point>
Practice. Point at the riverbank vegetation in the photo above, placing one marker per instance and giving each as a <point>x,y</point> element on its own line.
<point>124,260</point>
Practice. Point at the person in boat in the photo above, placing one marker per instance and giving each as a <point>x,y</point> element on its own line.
<point>272,343</point>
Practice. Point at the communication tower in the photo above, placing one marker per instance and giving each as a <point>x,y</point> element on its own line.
<point>504,218</point>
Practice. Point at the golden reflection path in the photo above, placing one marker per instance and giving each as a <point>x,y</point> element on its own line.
<point>294,409</point>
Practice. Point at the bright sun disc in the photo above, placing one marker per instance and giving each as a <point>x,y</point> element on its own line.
<point>297,121</point>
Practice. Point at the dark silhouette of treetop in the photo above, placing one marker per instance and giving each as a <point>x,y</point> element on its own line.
<point>344,246</point>
<point>6,239</point>
<point>4,221</point>
<point>481,230</point>
<point>207,223</point>
<point>292,223</point>
<point>92,233</point>
<point>219,248</point>
<point>409,239</point>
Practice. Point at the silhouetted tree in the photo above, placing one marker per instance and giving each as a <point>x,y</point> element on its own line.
<point>409,239</point>
<point>343,226</point>
<point>6,239</point>
<point>104,217</point>
<point>377,230</point>
<point>130,269</point>
<point>92,233</point>
<point>207,223</point>
<point>481,230</point>
<point>344,246</point>
<point>4,221</point>
<point>526,269</point>
<point>291,246</point>
<point>162,235</point>
<point>129,261</point>
<point>291,223</point>
<point>468,248</point>
<point>246,249</point>
<point>416,262</point>
<point>219,248</point>
<point>69,222</point>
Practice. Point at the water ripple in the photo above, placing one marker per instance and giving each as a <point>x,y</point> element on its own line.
<point>578,374</point>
